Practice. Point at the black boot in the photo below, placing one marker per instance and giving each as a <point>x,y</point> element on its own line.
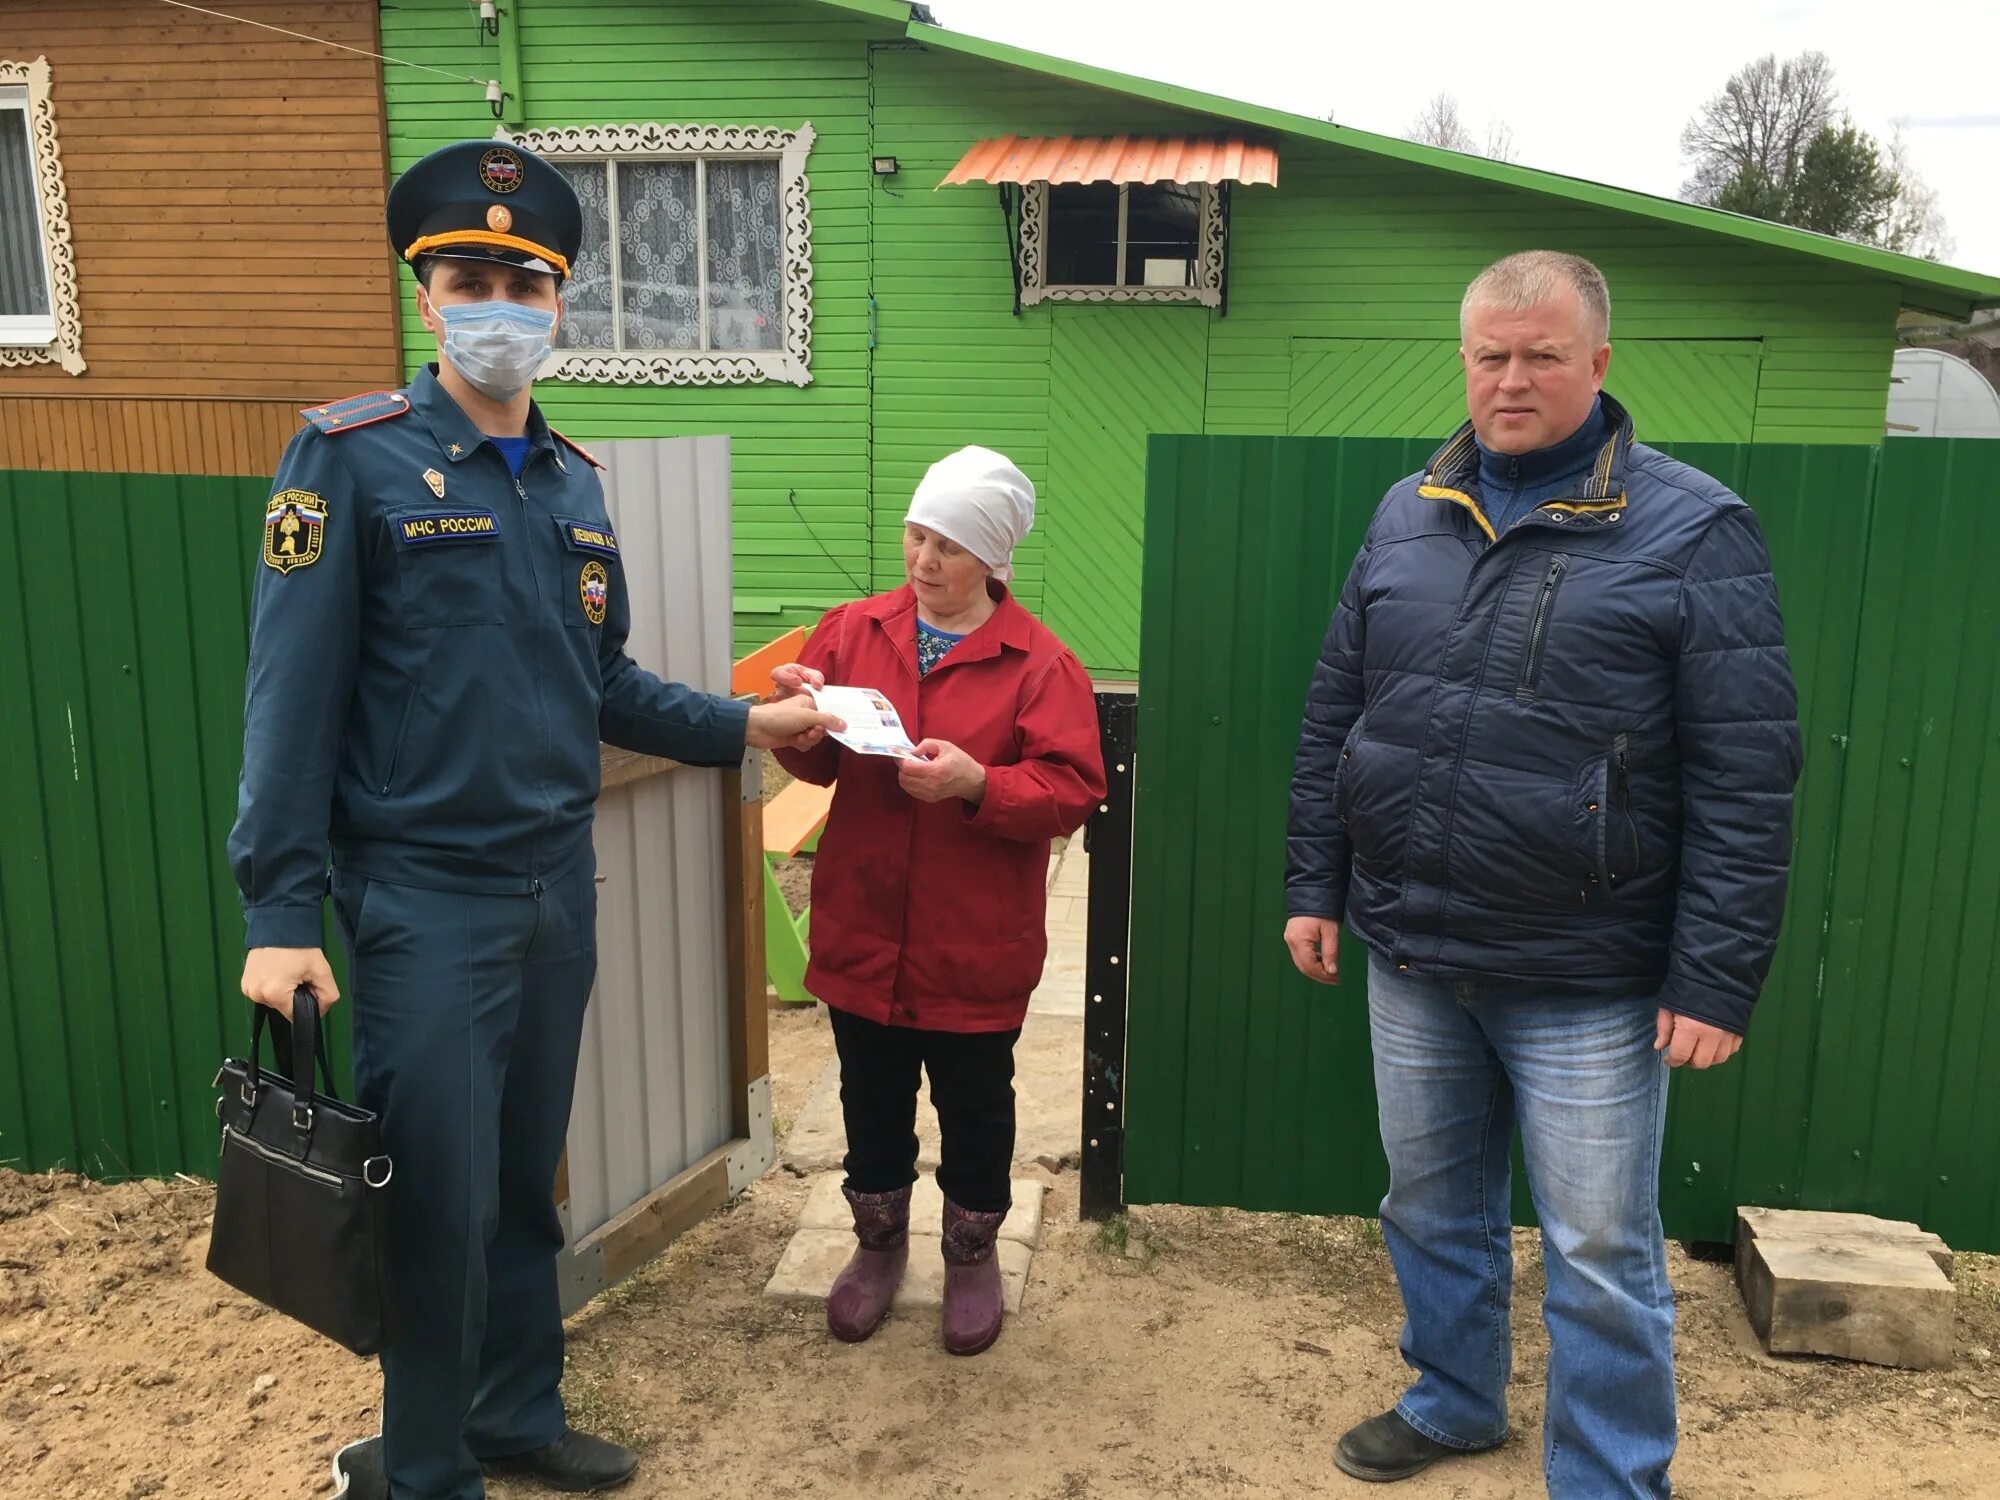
<point>1387,1448</point>
<point>575,1464</point>
<point>358,1473</point>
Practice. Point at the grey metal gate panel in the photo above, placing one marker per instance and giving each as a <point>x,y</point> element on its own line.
<point>652,1090</point>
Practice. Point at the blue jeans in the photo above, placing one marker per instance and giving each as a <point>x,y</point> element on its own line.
<point>1457,1067</point>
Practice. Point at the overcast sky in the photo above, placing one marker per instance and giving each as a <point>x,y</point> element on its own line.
<point>1588,88</point>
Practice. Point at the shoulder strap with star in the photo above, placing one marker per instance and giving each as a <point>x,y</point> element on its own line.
<point>578,449</point>
<point>357,411</point>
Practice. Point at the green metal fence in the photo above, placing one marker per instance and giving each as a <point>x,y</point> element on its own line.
<point>124,606</point>
<point>1871,1080</point>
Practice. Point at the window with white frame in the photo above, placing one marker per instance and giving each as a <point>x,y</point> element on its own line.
<point>38,305</point>
<point>1123,242</point>
<point>696,260</point>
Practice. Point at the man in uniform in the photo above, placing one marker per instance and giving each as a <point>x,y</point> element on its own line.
<point>437,648</point>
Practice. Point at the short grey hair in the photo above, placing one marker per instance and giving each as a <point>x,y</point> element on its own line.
<point>1534,276</point>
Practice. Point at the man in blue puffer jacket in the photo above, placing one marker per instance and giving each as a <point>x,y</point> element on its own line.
<point>1545,776</point>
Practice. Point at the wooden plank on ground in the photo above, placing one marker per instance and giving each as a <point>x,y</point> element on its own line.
<point>662,1216</point>
<point>1846,1286</point>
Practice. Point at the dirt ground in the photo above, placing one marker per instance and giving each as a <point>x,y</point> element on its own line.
<point>1183,1353</point>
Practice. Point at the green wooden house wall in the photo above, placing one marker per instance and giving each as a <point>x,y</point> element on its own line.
<point>1341,317</point>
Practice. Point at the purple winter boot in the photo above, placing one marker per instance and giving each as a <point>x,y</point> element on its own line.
<point>867,1284</point>
<point>974,1303</point>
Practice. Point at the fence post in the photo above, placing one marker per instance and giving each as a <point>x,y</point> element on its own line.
<point>1107,961</point>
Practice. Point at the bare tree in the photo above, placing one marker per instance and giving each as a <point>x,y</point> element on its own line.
<point>1775,144</point>
<point>1916,223</point>
<point>1760,125</point>
<point>1439,124</point>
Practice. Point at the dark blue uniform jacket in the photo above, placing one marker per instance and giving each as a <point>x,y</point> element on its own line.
<point>436,650</point>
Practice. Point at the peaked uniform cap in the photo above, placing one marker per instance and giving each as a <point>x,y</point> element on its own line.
<point>487,200</point>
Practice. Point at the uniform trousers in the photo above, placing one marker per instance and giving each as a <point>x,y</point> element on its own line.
<point>468,1013</point>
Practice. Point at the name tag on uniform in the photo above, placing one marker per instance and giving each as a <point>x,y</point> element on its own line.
<point>587,536</point>
<point>430,527</point>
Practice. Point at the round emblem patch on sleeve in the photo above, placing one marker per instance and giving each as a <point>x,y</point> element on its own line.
<point>595,588</point>
<point>501,170</point>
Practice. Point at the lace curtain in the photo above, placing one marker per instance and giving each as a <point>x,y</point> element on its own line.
<point>587,321</point>
<point>659,256</point>
<point>746,256</point>
<point>24,287</point>
<point>660,298</point>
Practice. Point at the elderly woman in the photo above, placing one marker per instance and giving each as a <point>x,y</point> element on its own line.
<point>929,892</point>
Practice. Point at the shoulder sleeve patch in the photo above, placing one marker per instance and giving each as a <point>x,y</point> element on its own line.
<point>294,530</point>
<point>577,448</point>
<point>357,411</point>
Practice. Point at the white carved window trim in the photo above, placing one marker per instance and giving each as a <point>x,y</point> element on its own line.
<point>57,338</point>
<point>789,148</point>
<point>1212,241</point>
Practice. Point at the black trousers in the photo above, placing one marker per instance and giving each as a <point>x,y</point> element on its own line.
<point>972,1089</point>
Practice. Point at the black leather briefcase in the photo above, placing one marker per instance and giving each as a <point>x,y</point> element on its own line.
<point>301,1211</point>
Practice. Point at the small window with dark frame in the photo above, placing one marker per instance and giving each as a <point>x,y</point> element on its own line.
<point>1102,234</point>
<point>1160,242</point>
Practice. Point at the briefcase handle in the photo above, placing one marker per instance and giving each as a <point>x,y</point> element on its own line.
<point>306,1053</point>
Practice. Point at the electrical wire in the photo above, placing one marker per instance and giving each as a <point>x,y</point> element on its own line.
<point>860,588</point>
<point>322,41</point>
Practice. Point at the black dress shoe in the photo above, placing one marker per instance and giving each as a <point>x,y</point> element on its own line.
<point>1387,1448</point>
<point>358,1473</point>
<point>575,1463</point>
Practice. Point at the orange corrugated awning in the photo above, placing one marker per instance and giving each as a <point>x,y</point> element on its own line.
<point>1118,158</point>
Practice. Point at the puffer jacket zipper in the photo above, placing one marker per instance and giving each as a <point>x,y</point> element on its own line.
<point>1538,629</point>
<point>1621,798</point>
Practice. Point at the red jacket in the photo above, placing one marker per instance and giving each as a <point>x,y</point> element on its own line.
<point>933,914</point>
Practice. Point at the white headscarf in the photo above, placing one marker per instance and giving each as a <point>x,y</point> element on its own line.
<point>977,498</point>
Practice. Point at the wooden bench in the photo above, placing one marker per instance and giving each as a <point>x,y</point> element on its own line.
<point>794,818</point>
<point>793,821</point>
<point>751,677</point>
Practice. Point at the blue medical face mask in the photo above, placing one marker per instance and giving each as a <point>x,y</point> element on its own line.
<point>496,345</point>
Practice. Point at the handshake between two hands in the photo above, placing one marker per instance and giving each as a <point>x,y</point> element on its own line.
<point>933,771</point>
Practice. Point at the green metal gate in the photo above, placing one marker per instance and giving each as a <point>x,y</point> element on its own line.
<point>124,610</point>
<point>1872,1076</point>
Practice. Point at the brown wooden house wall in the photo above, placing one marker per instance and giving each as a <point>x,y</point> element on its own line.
<point>225,189</point>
